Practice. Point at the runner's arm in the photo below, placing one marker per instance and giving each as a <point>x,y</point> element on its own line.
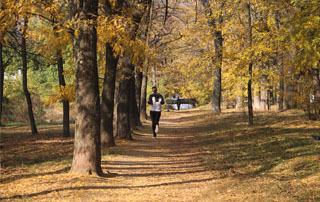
<point>150,100</point>
<point>162,100</point>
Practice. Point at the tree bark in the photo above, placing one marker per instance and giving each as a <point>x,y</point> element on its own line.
<point>107,105</point>
<point>126,111</point>
<point>218,43</point>
<point>123,107</point>
<point>154,75</point>
<point>250,108</point>
<point>65,102</point>
<point>1,82</point>
<point>143,76</point>
<point>87,151</point>
<point>281,85</point>
<point>316,85</point>
<point>134,115</point>
<point>143,100</point>
<point>138,84</point>
<point>25,78</point>
<point>216,93</point>
<point>280,63</point>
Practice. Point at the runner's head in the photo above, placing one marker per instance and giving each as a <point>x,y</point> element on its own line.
<point>154,89</point>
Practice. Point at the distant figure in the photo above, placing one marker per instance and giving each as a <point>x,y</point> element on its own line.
<point>178,103</point>
<point>155,100</point>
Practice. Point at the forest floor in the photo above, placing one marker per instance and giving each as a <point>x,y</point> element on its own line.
<point>197,157</point>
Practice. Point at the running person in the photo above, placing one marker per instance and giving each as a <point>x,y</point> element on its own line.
<point>155,100</point>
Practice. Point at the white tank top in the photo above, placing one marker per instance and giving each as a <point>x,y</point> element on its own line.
<point>156,106</point>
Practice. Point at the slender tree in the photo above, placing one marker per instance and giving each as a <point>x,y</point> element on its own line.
<point>216,31</point>
<point>279,61</point>
<point>107,104</point>
<point>1,81</point>
<point>65,102</point>
<point>134,115</point>
<point>143,100</point>
<point>144,79</point>
<point>250,108</point>
<point>87,151</point>
<point>25,77</point>
<point>123,107</point>
<point>108,92</point>
<point>138,84</point>
<point>316,86</point>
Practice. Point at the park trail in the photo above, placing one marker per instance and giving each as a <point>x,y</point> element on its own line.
<point>169,168</point>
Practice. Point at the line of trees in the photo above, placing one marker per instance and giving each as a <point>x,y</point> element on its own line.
<point>253,54</point>
<point>76,33</point>
<point>237,53</point>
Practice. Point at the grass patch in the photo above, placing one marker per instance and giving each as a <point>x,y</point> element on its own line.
<point>277,153</point>
<point>15,124</point>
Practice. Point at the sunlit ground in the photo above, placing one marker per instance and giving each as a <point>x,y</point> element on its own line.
<point>197,157</point>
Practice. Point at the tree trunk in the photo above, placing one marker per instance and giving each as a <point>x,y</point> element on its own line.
<point>288,99</point>
<point>25,79</point>
<point>216,93</point>
<point>65,102</point>
<point>126,108</point>
<point>264,93</point>
<point>154,75</point>
<point>143,100</point>
<point>316,85</point>
<point>87,151</point>
<point>281,85</point>
<point>123,107</point>
<point>134,115</point>
<point>218,43</point>
<point>143,76</point>
<point>280,62</point>
<point>1,82</point>
<point>250,109</point>
<point>107,105</point>
<point>138,84</point>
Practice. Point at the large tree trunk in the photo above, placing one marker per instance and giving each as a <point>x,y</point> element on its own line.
<point>1,82</point>
<point>250,109</point>
<point>107,105</point>
<point>87,152</point>
<point>25,79</point>
<point>65,102</point>
<point>123,106</point>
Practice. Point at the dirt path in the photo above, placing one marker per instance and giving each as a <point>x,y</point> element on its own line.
<point>276,160</point>
<point>169,168</point>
